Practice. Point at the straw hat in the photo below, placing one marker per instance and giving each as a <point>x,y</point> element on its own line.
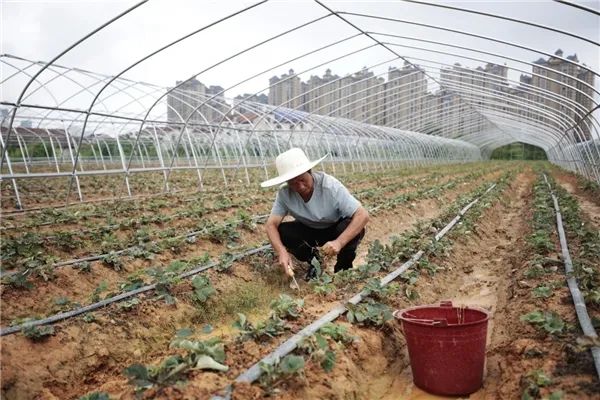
<point>289,165</point>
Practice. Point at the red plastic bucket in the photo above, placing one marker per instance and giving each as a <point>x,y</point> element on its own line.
<point>446,346</point>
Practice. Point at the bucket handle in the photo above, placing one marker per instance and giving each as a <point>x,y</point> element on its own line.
<point>432,322</point>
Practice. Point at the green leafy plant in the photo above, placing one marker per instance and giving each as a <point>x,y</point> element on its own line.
<point>95,396</point>
<point>101,288</point>
<point>208,354</point>
<point>286,307</point>
<point>129,304</point>
<point>264,330</point>
<point>533,381</point>
<point>375,290</point>
<point>543,291</point>
<point>549,321</point>
<point>368,313</point>
<point>273,374</point>
<point>323,285</point>
<point>203,289</point>
<point>318,350</point>
<point>113,260</point>
<point>38,333</point>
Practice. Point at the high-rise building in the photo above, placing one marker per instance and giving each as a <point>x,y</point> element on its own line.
<point>285,91</point>
<point>564,86</point>
<point>405,97</point>
<point>184,100</point>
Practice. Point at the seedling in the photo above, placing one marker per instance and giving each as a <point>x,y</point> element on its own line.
<point>549,321</point>
<point>375,290</point>
<point>317,348</point>
<point>129,304</point>
<point>199,355</point>
<point>369,313</point>
<point>323,285</point>
<point>95,396</point>
<point>202,289</point>
<point>263,331</point>
<point>286,307</point>
<point>272,374</point>
<point>38,333</point>
<point>113,260</point>
<point>338,333</point>
<point>543,291</point>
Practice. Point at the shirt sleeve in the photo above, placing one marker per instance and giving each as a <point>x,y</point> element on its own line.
<point>279,207</point>
<point>346,203</point>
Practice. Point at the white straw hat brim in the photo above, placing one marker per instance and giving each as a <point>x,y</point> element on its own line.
<point>292,173</point>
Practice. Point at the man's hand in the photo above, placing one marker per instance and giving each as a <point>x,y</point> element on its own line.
<point>331,248</point>
<point>286,263</point>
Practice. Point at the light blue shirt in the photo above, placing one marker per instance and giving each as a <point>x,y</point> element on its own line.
<point>329,203</point>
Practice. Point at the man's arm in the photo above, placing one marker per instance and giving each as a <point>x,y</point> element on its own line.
<point>271,227</point>
<point>359,220</point>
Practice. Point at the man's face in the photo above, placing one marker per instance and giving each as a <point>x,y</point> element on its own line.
<point>302,184</point>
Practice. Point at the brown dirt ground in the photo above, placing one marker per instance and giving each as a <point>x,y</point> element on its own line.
<point>483,268</point>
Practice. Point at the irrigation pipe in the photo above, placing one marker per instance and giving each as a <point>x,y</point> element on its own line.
<point>69,314</point>
<point>578,300</point>
<point>132,293</point>
<point>254,372</point>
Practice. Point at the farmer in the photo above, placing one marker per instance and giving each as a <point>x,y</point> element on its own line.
<point>325,215</point>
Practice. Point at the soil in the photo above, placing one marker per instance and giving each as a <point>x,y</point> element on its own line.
<point>484,267</point>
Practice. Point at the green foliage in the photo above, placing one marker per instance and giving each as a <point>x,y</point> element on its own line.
<point>38,333</point>
<point>101,288</point>
<point>337,332</point>
<point>286,307</point>
<point>543,291</point>
<point>19,280</point>
<point>208,354</point>
<point>375,290</point>
<point>548,321</point>
<point>272,374</point>
<point>129,304</point>
<point>533,381</point>
<point>322,285</point>
<point>95,396</point>
<point>264,330</point>
<point>203,289</point>
<point>318,350</point>
<point>368,313</point>
<point>226,261</point>
<point>113,260</point>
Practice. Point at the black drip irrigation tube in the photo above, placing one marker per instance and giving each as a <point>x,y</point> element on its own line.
<point>254,372</point>
<point>578,300</point>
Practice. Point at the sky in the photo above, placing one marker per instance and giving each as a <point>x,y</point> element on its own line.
<point>40,30</point>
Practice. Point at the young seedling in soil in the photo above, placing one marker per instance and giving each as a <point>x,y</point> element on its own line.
<point>272,374</point>
<point>265,330</point>
<point>285,307</point>
<point>549,321</point>
<point>207,354</point>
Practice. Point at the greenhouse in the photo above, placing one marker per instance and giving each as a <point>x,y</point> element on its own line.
<point>308,199</point>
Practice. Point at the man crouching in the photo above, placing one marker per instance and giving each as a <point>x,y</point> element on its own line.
<point>325,215</point>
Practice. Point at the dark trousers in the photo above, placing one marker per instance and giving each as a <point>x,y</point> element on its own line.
<point>302,241</point>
